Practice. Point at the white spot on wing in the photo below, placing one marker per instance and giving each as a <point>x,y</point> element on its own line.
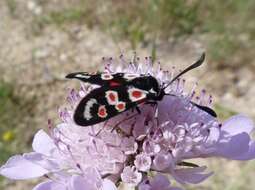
<point>106,76</point>
<point>83,76</point>
<point>130,76</point>
<point>87,115</point>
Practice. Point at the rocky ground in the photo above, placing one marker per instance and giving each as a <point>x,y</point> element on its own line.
<point>36,60</point>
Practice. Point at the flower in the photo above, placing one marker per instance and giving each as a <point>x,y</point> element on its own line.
<point>131,176</point>
<point>143,162</point>
<point>131,147</point>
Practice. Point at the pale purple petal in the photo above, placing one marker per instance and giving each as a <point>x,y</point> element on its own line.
<point>142,162</point>
<point>191,175</point>
<point>238,124</point>
<point>51,185</point>
<point>80,183</point>
<point>43,144</point>
<point>163,161</point>
<point>159,182</point>
<point>235,142</point>
<point>41,160</point>
<point>150,147</point>
<point>108,185</point>
<point>131,176</point>
<point>236,146</point>
<point>16,165</point>
<point>250,154</point>
<point>129,146</point>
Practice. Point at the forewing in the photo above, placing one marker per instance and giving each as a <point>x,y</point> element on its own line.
<point>104,103</point>
<point>104,79</point>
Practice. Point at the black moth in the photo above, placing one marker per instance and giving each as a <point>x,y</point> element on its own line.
<point>120,92</point>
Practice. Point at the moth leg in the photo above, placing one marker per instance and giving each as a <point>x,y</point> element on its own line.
<point>138,110</point>
<point>99,131</point>
<point>154,104</point>
<point>126,119</point>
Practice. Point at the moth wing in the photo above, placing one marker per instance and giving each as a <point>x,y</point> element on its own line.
<point>104,79</point>
<point>104,103</point>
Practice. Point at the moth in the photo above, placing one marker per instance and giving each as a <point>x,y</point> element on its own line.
<point>120,92</point>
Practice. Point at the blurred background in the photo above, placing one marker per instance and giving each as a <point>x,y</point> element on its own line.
<point>43,40</point>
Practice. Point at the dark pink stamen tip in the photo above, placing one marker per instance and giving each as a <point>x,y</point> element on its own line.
<point>45,175</point>
<point>78,166</point>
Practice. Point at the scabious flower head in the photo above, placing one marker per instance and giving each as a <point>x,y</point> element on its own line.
<point>139,150</point>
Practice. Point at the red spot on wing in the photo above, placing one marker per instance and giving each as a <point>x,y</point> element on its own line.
<point>102,112</point>
<point>113,83</point>
<point>137,94</point>
<point>112,97</point>
<point>121,106</point>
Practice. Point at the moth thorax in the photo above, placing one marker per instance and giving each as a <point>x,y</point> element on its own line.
<point>147,83</point>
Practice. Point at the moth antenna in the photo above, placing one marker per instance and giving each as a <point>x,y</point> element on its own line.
<point>193,66</point>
